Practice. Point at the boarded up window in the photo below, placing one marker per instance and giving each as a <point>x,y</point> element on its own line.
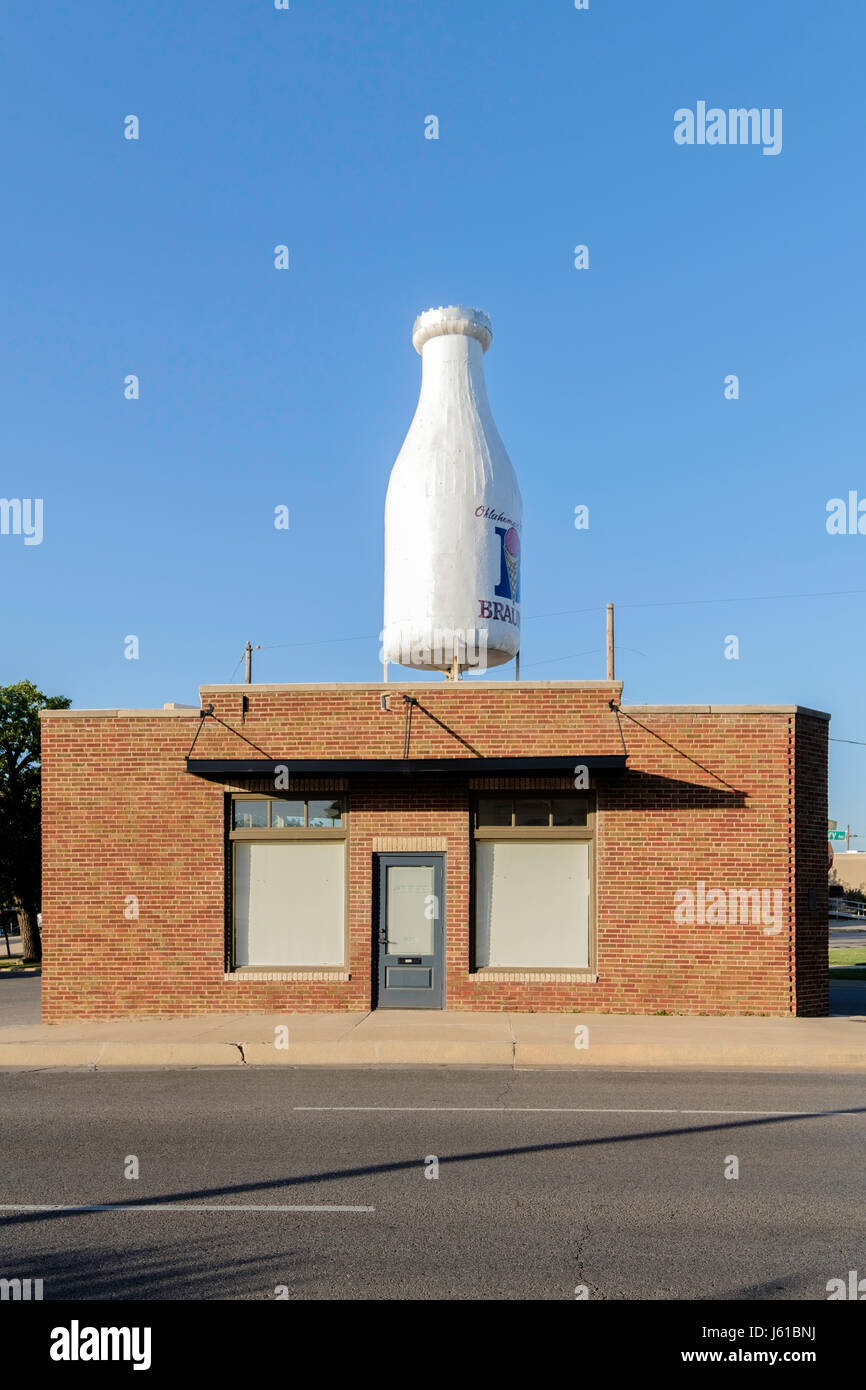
<point>289,903</point>
<point>532,904</point>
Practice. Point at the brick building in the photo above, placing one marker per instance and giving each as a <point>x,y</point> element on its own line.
<point>466,845</point>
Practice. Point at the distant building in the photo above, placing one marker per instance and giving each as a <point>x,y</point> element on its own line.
<point>849,870</point>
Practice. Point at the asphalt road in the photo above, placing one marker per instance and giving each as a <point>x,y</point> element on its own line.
<point>547,1181</point>
<point>846,937</point>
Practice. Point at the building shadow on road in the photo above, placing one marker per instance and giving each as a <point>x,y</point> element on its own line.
<point>183,1269</point>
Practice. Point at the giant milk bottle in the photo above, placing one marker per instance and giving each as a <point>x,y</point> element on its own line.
<point>453,513</point>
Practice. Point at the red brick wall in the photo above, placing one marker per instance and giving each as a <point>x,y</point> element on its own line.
<point>811,860</point>
<point>733,799</point>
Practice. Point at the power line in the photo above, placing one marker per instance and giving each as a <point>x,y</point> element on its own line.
<point>550,660</point>
<point>752,598</point>
<point>693,602</point>
<point>320,642</point>
<point>594,608</point>
<point>575,612</point>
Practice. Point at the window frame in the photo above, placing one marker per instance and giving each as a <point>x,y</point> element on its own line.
<point>293,832</point>
<point>585,834</point>
<point>534,832</point>
<point>297,834</point>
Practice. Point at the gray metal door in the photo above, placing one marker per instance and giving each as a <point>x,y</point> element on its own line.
<point>410,931</point>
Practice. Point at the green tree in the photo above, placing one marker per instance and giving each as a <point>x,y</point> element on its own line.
<point>20,804</point>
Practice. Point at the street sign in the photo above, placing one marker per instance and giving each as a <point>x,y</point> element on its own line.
<point>836,835</point>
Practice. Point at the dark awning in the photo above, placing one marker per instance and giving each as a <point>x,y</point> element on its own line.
<point>223,769</point>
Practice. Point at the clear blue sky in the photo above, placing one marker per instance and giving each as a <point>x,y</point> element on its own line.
<point>261,387</point>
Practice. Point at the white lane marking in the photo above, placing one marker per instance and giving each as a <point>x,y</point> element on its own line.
<point>557,1110</point>
<point>170,1206</point>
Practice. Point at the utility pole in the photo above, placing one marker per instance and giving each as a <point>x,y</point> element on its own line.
<point>610,675</point>
<point>248,653</point>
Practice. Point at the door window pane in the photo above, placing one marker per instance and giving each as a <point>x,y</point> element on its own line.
<point>250,815</point>
<point>494,813</point>
<point>531,812</point>
<point>571,811</point>
<point>287,815</point>
<point>325,815</point>
<point>410,909</point>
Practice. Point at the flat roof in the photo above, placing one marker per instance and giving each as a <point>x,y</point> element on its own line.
<point>417,688</point>
<point>416,685</point>
<point>726,709</point>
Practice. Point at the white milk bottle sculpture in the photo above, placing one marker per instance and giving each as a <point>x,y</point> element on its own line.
<point>453,513</point>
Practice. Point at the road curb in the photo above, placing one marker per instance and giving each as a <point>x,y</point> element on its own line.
<point>365,1053</point>
<point>110,1054</point>
<point>406,1052</point>
<point>634,1055</point>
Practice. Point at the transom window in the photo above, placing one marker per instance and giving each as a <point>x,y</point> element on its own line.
<point>536,811</point>
<point>278,813</point>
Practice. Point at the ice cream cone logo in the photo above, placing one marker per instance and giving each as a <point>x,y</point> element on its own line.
<point>512,559</point>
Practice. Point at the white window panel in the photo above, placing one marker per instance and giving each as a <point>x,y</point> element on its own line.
<point>289,903</point>
<point>532,904</point>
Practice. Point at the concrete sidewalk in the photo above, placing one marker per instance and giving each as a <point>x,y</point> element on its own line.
<point>416,1037</point>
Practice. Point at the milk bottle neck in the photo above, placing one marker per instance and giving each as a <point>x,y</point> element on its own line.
<point>453,362</point>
